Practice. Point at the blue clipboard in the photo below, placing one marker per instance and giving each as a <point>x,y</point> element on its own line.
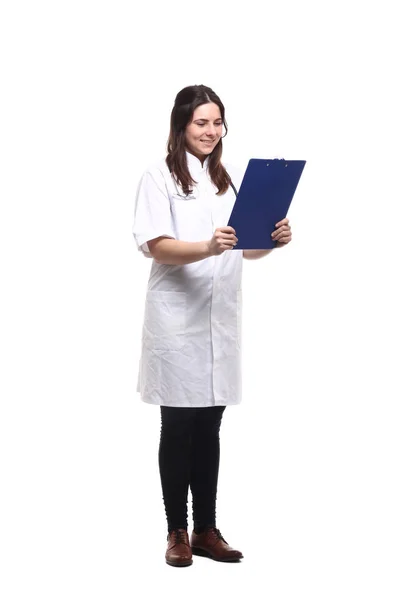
<point>263,199</point>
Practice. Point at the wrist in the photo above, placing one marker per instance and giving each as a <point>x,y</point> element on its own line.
<point>207,249</point>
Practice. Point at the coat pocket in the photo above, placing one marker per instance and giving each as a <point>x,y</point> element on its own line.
<point>191,218</point>
<point>164,321</point>
<point>184,198</point>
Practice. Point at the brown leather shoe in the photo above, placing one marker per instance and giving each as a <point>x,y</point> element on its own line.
<point>179,553</point>
<point>210,543</point>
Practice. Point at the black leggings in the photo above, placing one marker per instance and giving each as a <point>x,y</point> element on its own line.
<point>189,455</point>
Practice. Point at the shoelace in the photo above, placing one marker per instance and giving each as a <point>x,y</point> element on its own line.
<point>218,534</point>
<point>180,536</point>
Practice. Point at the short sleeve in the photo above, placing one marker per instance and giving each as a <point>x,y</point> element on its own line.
<point>152,214</point>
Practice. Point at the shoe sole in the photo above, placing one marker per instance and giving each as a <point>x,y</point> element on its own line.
<point>201,552</point>
<point>181,564</point>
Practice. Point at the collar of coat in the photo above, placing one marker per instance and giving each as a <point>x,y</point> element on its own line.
<point>194,164</point>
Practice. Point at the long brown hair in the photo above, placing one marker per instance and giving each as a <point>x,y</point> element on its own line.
<point>186,101</point>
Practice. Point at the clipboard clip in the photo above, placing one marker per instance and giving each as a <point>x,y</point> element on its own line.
<point>277,158</point>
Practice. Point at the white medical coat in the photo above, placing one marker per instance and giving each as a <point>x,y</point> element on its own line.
<point>191,337</point>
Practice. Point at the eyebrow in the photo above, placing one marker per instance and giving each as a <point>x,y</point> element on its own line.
<point>200,119</point>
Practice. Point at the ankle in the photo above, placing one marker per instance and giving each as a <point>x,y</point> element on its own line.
<point>171,529</point>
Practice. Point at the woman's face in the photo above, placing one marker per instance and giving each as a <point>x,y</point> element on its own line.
<point>204,131</point>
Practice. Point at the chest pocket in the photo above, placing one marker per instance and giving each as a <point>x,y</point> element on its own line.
<point>191,217</point>
<point>165,320</point>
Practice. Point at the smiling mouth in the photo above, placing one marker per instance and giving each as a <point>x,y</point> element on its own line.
<point>207,142</point>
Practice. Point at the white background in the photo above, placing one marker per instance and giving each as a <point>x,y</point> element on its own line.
<point>309,477</point>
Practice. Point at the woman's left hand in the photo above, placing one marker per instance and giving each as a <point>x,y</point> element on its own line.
<point>283,233</point>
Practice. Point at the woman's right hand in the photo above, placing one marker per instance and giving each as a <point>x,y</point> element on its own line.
<point>224,238</point>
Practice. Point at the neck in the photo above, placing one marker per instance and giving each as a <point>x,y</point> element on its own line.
<point>201,157</point>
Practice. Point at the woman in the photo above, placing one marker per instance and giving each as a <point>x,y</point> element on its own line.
<point>190,362</point>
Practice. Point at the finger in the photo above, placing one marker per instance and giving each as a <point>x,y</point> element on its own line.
<point>227,230</point>
<point>282,243</point>
<point>229,236</point>
<point>284,239</point>
<point>284,228</point>
<point>283,222</point>
<point>282,236</point>
<point>275,233</point>
<point>225,237</point>
<point>283,233</point>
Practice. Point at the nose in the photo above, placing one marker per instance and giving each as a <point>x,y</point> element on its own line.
<point>211,131</point>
